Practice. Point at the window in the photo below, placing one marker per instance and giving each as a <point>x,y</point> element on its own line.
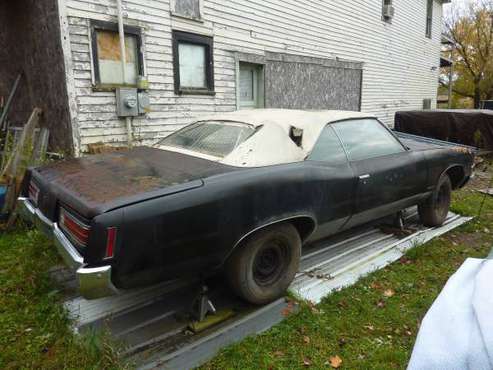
<point>426,104</point>
<point>251,86</point>
<point>107,57</point>
<point>213,138</point>
<point>187,8</point>
<point>387,10</point>
<point>366,138</point>
<point>429,18</point>
<point>328,148</point>
<point>193,63</point>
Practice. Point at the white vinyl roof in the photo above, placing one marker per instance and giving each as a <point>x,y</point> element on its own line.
<point>272,143</point>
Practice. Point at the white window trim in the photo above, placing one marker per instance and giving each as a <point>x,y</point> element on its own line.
<point>173,12</point>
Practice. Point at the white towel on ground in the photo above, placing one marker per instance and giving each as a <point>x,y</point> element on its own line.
<point>457,331</point>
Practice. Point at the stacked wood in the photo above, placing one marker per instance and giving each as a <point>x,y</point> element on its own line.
<point>28,150</point>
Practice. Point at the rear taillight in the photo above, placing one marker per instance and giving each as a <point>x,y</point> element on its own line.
<point>33,192</point>
<point>110,242</point>
<point>74,228</point>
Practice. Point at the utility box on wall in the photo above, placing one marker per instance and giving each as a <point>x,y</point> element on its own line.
<point>131,103</point>
<point>127,103</point>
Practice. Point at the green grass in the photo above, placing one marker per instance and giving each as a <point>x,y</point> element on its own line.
<point>371,325</point>
<point>34,329</point>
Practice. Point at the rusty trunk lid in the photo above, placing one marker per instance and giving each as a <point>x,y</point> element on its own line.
<point>96,184</point>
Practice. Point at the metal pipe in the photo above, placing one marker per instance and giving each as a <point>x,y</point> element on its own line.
<point>123,51</point>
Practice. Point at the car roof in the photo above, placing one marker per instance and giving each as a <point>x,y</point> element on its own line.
<point>288,117</point>
<point>272,144</point>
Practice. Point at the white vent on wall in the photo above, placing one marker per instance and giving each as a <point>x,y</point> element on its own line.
<point>388,11</point>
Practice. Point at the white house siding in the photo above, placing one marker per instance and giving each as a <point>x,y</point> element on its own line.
<point>399,71</point>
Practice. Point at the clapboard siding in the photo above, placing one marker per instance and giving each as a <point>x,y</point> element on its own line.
<point>399,68</point>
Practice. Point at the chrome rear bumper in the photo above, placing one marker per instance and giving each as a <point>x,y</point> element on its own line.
<point>93,282</point>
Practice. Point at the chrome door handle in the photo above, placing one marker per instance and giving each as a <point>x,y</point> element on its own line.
<point>365,177</point>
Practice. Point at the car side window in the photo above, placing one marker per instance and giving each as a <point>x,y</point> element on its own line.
<point>366,138</point>
<point>328,148</point>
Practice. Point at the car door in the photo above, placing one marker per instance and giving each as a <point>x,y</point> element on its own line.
<point>336,187</point>
<point>389,177</point>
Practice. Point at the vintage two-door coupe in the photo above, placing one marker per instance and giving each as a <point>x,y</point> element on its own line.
<point>240,193</point>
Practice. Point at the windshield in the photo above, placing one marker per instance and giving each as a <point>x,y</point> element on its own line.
<point>215,138</point>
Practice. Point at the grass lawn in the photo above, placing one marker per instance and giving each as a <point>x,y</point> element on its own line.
<point>371,325</point>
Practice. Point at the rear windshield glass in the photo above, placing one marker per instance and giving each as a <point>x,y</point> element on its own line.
<point>213,138</point>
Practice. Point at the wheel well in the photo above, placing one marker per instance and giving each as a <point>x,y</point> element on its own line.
<point>304,225</point>
<point>456,175</point>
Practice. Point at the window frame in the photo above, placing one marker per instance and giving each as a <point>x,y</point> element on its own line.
<point>258,86</point>
<point>174,13</point>
<point>429,18</point>
<point>344,150</point>
<point>194,39</point>
<point>387,19</point>
<point>113,27</point>
<point>405,148</point>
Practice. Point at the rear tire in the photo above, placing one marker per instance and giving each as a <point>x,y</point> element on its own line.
<point>261,269</point>
<point>434,210</point>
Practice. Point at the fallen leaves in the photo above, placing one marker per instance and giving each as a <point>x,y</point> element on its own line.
<point>388,293</point>
<point>278,354</point>
<point>307,362</point>
<point>289,309</point>
<point>335,361</point>
<point>306,339</point>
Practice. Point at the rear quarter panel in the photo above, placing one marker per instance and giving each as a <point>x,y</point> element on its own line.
<point>193,232</point>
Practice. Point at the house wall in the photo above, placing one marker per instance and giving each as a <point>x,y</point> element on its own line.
<point>30,44</point>
<point>399,63</point>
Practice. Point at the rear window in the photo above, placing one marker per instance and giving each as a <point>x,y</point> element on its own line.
<point>213,138</point>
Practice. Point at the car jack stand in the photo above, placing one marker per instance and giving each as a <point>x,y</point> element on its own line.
<point>399,220</point>
<point>202,305</point>
<point>205,314</point>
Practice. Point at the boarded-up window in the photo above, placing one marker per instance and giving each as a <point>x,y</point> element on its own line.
<point>187,8</point>
<point>107,54</point>
<point>110,60</point>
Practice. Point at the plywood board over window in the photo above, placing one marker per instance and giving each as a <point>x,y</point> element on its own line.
<point>110,59</point>
<point>187,8</point>
<point>107,58</point>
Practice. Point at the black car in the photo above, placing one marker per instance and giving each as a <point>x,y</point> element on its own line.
<point>240,193</point>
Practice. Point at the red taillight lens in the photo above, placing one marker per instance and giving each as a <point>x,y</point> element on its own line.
<point>110,242</point>
<point>75,229</point>
<point>33,193</point>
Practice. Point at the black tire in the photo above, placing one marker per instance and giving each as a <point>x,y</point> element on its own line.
<point>434,210</point>
<point>261,269</point>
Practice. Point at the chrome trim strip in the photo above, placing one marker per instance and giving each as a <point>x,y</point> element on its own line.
<point>270,224</point>
<point>96,282</point>
<point>68,252</point>
<point>93,282</point>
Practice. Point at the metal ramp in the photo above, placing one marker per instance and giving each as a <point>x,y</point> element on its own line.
<point>152,323</point>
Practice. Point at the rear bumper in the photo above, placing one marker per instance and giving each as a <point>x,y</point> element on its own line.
<point>93,282</point>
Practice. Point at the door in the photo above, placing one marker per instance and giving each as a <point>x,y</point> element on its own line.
<point>251,86</point>
<point>389,177</point>
<point>335,188</point>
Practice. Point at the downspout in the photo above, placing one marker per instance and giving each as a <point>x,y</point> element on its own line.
<point>121,32</point>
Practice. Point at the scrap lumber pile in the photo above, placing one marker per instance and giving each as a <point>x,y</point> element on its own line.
<point>22,147</point>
